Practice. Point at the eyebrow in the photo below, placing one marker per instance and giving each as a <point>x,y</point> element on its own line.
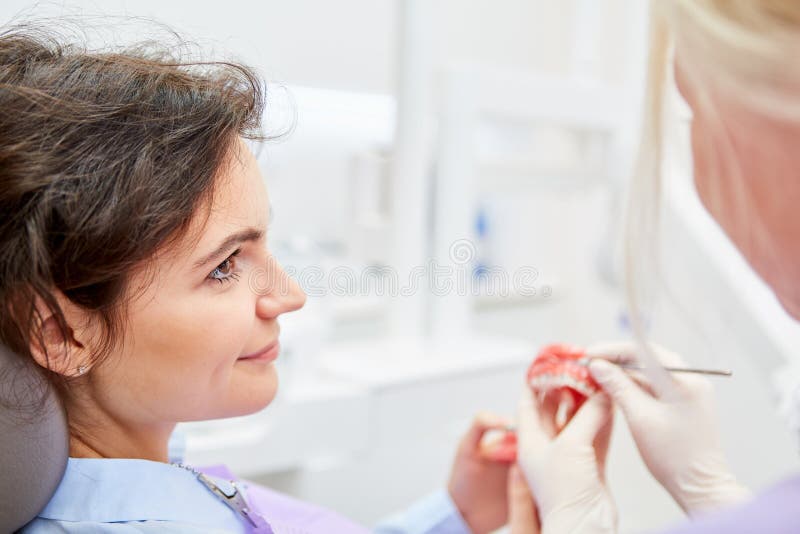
<point>248,234</point>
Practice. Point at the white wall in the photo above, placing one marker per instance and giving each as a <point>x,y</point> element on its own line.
<point>350,44</point>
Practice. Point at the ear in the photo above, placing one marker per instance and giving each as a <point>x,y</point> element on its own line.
<point>53,348</point>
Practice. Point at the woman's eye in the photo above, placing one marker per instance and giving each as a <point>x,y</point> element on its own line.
<point>226,271</point>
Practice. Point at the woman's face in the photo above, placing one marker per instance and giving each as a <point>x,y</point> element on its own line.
<point>746,173</point>
<point>209,302</point>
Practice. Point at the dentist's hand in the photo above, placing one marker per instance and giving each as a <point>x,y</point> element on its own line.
<point>674,429</point>
<point>566,472</point>
<point>479,478</point>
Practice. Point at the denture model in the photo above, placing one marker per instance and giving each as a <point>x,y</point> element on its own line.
<point>560,377</point>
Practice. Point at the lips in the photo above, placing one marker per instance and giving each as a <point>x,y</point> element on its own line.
<point>265,354</point>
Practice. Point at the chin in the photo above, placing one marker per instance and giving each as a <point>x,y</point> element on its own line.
<point>253,393</point>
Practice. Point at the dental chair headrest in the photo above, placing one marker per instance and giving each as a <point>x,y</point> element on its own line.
<point>34,443</point>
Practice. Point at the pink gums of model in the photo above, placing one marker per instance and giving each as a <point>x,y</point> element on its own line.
<point>559,376</point>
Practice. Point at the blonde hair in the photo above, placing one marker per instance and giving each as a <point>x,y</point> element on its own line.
<point>735,48</point>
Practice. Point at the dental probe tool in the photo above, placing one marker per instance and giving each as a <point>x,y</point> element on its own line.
<point>637,367</point>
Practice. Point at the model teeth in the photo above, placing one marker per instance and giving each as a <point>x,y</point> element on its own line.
<point>550,381</point>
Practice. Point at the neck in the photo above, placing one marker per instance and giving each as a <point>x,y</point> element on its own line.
<point>95,434</point>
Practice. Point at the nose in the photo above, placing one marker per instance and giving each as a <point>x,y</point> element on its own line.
<point>282,295</point>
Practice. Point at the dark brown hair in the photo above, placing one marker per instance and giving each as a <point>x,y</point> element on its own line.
<point>104,158</point>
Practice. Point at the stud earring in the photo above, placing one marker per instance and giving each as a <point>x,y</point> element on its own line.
<point>82,370</point>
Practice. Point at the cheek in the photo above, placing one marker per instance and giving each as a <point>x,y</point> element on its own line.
<point>747,183</point>
<point>705,177</point>
<point>206,332</point>
<point>720,178</point>
<point>185,348</point>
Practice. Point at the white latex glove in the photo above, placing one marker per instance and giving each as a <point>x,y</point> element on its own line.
<point>566,472</point>
<point>674,427</point>
<point>522,518</point>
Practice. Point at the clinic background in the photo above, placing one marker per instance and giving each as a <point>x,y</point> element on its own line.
<point>490,139</point>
